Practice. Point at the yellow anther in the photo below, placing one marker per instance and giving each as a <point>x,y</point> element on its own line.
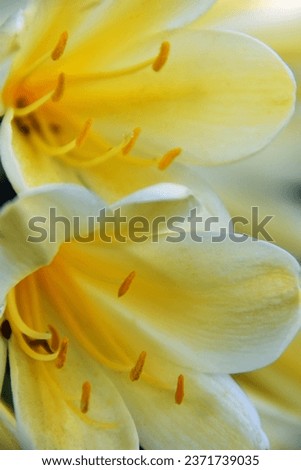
<point>128,147</point>
<point>162,57</point>
<point>179,395</point>
<point>60,46</point>
<point>85,398</point>
<point>84,132</point>
<point>61,359</point>
<point>168,158</point>
<point>126,284</point>
<point>136,371</point>
<point>60,88</point>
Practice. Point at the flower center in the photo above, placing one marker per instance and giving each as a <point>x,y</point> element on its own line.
<point>37,117</point>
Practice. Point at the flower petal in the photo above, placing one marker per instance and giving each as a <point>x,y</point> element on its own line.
<point>275,391</point>
<point>21,218</point>
<point>3,349</point>
<point>274,190</point>
<point>49,398</point>
<point>11,23</point>
<point>283,428</point>
<point>275,22</point>
<point>279,383</point>
<point>222,307</point>
<point>214,414</point>
<point>8,431</point>
<point>112,180</point>
<point>199,97</point>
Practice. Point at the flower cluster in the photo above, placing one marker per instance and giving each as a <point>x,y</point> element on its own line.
<point>152,339</point>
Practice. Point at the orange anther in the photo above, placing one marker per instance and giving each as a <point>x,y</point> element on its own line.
<point>162,56</point>
<point>126,284</point>
<point>179,395</point>
<point>137,369</point>
<point>61,359</point>
<point>60,46</point>
<point>60,88</point>
<point>128,147</point>
<point>85,398</point>
<point>84,132</point>
<point>168,158</point>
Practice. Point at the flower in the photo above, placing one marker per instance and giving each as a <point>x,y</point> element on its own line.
<point>271,179</point>
<point>106,95</point>
<point>275,390</point>
<point>115,341</point>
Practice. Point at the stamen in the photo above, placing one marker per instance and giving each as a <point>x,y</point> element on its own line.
<point>126,284</point>
<point>54,95</point>
<point>168,158</point>
<point>54,342</point>
<point>60,88</point>
<point>137,369</point>
<point>179,395</point>
<point>60,46</point>
<point>55,55</point>
<point>26,347</point>
<point>85,398</point>
<point>61,359</point>
<point>19,324</point>
<point>155,62</point>
<point>84,132</point>
<point>5,329</point>
<point>162,57</point>
<point>128,147</point>
<point>63,149</point>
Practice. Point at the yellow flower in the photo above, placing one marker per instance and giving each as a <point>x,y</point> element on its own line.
<point>115,341</point>
<point>271,179</point>
<point>107,95</point>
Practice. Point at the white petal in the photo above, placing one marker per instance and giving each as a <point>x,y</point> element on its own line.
<point>18,256</point>
<point>214,414</point>
<point>269,181</point>
<point>283,428</point>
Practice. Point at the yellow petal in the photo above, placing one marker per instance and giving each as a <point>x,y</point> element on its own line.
<point>199,97</point>
<point>3,348</point>
<point>8,429</point>
<point>214,413</point>
<point>49,398</point>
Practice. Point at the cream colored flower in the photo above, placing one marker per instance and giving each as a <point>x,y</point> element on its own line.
<point>106,95</point>
<point>120,342</point>
<point>271,179</point>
